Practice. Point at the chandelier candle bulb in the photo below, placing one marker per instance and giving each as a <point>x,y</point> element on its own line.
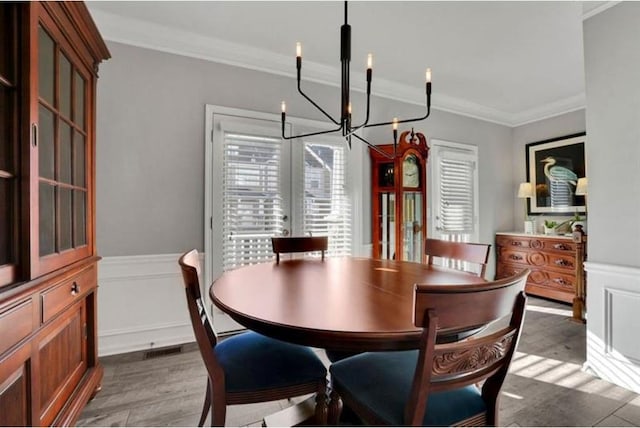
<point>284,107</point>
<point>369,61</point>
<point>299,50</point>
<point>428,75</point>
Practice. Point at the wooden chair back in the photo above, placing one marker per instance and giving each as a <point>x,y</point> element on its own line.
<point>462,251</point>
<point>202,328</point>
<point>301,244</point>
<point>441,367</point>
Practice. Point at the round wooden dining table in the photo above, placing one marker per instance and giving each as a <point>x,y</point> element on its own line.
<point>345,303</point>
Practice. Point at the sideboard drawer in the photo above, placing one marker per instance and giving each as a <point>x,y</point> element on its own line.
<point>67,292</point>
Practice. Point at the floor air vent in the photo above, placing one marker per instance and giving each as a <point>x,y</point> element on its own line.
<point>162,352</point>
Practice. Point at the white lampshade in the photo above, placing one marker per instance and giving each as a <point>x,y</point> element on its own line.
<point>581,187</point>
<point>525,190</point>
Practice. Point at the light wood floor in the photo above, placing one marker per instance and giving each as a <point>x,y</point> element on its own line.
<point>546,385</point>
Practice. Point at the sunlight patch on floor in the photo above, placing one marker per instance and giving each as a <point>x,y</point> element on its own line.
<point>552,311</point>
<point>562,374</point>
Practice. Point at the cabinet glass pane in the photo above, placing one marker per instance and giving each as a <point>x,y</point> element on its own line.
<point>47,212</point>
<point>65,86</point>
<point>65,153</point>
<point>387,209</point>
<point>46,66</point>
<point>46,150</point>
<point>6,143</point>
<point>6,218</point>
<point>385,175</point>
<point>80,160</point>
<point>80,213</point>
<point>66,209</point>
<point>79,113</point>
<point>7,38</point>
<point>412,227</point>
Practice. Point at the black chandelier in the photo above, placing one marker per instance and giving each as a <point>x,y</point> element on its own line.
<point>344,124</point>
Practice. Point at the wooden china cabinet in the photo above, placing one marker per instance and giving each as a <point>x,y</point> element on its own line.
<point>49,56</point>
<point>399,199</point>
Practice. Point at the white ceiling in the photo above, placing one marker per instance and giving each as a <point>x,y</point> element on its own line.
<point>507,62</point>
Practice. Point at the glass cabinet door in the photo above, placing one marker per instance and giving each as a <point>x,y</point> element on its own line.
<point>62,150</point>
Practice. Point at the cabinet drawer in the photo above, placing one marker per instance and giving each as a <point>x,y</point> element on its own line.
<point>67,292</point>
<point>16,323</point>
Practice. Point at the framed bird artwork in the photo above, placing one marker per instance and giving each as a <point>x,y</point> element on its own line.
<point>554,167</point>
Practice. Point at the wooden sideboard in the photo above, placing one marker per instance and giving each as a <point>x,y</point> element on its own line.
<point>556,264</point>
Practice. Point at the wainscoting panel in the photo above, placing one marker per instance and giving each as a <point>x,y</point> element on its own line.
<point>613,322</point>
<point>141,304</point>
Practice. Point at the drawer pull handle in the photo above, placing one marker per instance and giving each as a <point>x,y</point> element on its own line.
<point>560,281</point>
<point>561,247</point>
<point>516,243</point>
<point>515,257</point>
<point>563,262</point>
<point>75,288</point>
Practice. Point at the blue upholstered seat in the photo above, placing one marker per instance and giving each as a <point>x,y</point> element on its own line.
<point>253,362</point>
<point>381,381</point>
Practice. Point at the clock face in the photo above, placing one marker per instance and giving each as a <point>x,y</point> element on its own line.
<point>410,172</point>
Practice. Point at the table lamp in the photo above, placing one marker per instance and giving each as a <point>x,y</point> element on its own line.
<point>525,191</point>
<point>581,190</point>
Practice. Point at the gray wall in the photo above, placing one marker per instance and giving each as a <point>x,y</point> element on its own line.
<point>612,67</point>
<point>150,136</point>
<point>559,126</point>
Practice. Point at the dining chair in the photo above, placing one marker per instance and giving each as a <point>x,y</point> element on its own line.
<point>437,383</point>
<point>299,244</point>
<point>249,367</point>
<point>477,254</point>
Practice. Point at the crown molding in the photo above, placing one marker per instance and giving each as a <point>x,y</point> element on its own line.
<point>135,32</point>
<point>598,9</point>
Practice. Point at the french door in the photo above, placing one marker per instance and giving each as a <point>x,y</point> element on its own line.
<point>262,186</point>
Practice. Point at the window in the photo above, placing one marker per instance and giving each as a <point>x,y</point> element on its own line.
<point>454,189</point>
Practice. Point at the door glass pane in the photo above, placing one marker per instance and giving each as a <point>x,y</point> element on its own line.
<point>65,153</point>
<point>6,217</point>
<point>65,86</point>
<point>46,151</point>
<point>79,113</point>
<point>66,209</point>
<point>45,66</point>
<point>80,160</point>
<point>47,212</point>
<point>327,207</point>
<point>79,216</point>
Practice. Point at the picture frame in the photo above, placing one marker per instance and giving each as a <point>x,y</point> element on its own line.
<point>553,169</point>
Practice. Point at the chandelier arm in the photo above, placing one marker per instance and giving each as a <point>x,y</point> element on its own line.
<point>402,121</point>
<point>316,105</point>
<point>376,148</point>
<point>310,134</point>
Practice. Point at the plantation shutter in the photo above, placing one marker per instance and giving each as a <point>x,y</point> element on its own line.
<point>456,193</point>
<point>252,197</point>
<point>326,207</point>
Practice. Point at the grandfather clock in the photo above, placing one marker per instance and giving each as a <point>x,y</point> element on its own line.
<point>399,195</point>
